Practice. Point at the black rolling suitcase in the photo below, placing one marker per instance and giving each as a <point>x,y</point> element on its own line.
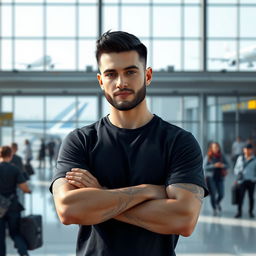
<point>31,229</point>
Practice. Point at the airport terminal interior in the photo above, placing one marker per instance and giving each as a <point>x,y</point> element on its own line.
<point>203,55</point>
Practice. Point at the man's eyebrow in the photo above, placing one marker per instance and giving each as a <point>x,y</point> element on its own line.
<point>108,70</point>
<point>126,68</point>
<point>130,67</point>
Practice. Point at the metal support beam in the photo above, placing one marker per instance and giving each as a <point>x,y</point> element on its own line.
<point>100,18</point>
<point>203,49</point>
<point>203,123</point>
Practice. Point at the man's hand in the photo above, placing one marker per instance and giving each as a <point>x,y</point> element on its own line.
<point>219,165</point>
<point>81,178</point>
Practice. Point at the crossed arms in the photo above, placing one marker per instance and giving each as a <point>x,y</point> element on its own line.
<point>80,199</point>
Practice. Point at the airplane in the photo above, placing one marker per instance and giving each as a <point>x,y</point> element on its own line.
<point>59,127</point>
<point>43,61</point>
<point>246,55</point>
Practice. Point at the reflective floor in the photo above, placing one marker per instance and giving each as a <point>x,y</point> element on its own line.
<point>213,236</point>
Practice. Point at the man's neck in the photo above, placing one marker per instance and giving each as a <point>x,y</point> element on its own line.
<point>248,157</point>
<point>4,160</point>
<point>131,119</point>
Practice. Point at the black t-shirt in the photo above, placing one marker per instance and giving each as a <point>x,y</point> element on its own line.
<point>157,153</point>
<point>10,177</point>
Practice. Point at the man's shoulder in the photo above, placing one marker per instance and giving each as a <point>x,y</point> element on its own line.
<point>85,132</point>
<point>174,130</point>
<point>17,158</point>
<point>254,160</point>
<point>10,167</point>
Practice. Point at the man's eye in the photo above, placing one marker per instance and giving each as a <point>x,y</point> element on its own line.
<point>131,72</point>
<point>110,75</point>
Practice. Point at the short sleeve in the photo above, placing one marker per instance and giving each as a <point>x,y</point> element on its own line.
<point>72,154</point>
<point>20,176</point>
<point>186,165</point>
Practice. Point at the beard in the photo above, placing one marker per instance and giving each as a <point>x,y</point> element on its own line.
<point>126,105</point>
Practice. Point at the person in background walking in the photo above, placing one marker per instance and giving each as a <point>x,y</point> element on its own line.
<point>27,152</point>
<point>27,158</point>
<point>215,166</point>
<point>245,169</point>
<point>237,149</point>
<point>41,154</point>
<point>17,161</point>
<point>51,151</point>
<point>10,179</point>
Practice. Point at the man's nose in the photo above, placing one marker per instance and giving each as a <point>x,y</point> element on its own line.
<point>121,83</point>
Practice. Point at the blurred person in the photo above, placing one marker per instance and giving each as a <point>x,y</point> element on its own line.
<point>131,176</point>
<point>41,154</point>
<point>237,149</point>
<point>215,166</point>
<point>27,152</point>
<point>252,141</point>
<point>10,179</point>
<point>17,160</point>
<point>245,169</point>
<point>51,151</point>
<point>27,158</point>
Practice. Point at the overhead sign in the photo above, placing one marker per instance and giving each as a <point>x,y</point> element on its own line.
<point>252,104</point>
<point>246,105</point>
<point>6,119</point>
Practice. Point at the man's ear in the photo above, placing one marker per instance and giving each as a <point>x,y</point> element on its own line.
<point>149,76</point>
<point>99,77</point>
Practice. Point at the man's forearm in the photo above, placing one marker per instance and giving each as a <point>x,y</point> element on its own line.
<point>88,206</point>
<point>164,216</point>
<point>176,214</point>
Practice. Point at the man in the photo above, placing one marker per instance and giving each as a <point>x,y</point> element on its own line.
<point>51,151</point>
<point>17,160</point>
<point>131,180</point>
<point>237,149</point>
<point>245,169</point>
<point>10,179</point>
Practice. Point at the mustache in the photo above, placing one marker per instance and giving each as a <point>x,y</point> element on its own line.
<point>116,92</point>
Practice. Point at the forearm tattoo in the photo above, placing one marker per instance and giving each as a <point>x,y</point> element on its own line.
<point>135,220</point>
<point>196,190</point>
<point>125,197</point>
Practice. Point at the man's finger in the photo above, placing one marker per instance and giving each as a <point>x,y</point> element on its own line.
<point>78,170</point>
<point>75,183</point>
<point>82,179</point>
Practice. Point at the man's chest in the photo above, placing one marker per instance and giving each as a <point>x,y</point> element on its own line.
<point>119,164</point>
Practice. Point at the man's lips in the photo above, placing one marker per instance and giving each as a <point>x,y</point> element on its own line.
<point>123,93</point>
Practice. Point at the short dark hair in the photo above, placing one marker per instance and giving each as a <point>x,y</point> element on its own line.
<point>248,145</point>
<point>14,145</point>
<point>120,41</point>
<point>5,151</point>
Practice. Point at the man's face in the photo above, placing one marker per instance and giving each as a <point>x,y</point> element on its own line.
<point>248,152</point>
<point>123,79</point>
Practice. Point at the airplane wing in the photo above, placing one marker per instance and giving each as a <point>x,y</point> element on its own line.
<point>59,126</point>
<point>219,59</point>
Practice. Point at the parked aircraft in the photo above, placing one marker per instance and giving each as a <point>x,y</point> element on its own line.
<point>43,61</point>
<point>246,55</point>
<point>60,126</point>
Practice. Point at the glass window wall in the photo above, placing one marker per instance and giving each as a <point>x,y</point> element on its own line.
<point>175,25</point>
<point>72,27</point>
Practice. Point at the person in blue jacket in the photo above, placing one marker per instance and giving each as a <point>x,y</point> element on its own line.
<point>245,169</point>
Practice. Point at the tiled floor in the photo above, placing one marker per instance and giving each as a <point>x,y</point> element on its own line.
<point>213,236</point>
